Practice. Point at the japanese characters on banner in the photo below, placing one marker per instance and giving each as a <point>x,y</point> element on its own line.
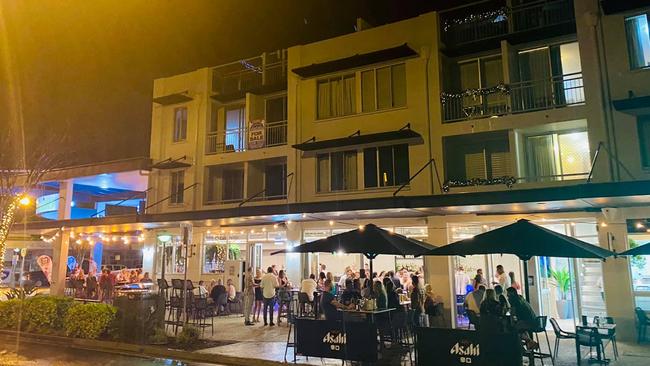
<point>256,134</point>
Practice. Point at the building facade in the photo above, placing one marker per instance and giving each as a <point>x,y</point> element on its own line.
<point>439,127</point>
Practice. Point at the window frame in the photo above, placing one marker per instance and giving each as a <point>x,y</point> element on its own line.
<point>174,183</point>
<point>329,171</point>
<point>377,164</point>
<point>340,77</point>
<point>180,135</point>
<point>643,146</point>
<point>391,67</point>
<point>627,42</point>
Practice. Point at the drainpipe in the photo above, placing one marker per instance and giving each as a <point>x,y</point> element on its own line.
<point>428,102</point>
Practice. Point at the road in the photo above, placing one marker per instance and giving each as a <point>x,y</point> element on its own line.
<point>43,355</point>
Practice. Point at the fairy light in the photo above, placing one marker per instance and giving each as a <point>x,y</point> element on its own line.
<point>331,222</point>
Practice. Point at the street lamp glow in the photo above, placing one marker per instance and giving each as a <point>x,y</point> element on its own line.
<point>25,201</point>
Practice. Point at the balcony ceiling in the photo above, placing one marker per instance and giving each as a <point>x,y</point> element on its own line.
<point>587,197</point>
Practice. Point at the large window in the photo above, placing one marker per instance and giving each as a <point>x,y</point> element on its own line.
<point>172,256</point>
<point>558,156</point>
<point>276,109</point>
<point>235,132</point>
<point>177,187</point>
<point>275,180</point>
<point>386,166</point>
<point>643,125</point>
<point>336,171</point>
<point>180,124</point>
<point>383,88</point>
<point>225,183</point>
<point>482,155</point>
<point>336,96</point>
<point>638,41</point>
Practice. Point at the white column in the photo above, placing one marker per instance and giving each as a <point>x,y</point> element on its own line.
<point>148,253</point>
<point>617,281</point>
<point>437,269</point>
<point>61,244</point>
<point>295,262</point>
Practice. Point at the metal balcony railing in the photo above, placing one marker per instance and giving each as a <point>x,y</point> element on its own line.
<point>459,29</point>
<point>234,140</point>
<point>523,96</point>
<point>250,75</point>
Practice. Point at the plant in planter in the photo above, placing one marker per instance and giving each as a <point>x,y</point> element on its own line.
<point>188,336</point>
<point>159,336</point>
<point>562,279</point>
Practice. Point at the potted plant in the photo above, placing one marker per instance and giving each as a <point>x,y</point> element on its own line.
<point>562,279</point>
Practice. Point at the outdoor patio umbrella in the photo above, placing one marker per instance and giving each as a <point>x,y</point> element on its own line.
<point>368,240</point>
<point>525,240</point>
<point>640,250</point>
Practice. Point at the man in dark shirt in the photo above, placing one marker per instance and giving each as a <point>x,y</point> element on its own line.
<point>217,291</point>
<point>329,304</point>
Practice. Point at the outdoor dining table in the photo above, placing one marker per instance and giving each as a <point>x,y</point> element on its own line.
<point>604,329</point>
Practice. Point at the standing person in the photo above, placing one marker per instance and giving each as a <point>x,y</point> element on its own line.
<point>106,286</point>
<point>91,286</point>
<point>418,298</point>
<point>379,292</point>
<point>479,279</point>
<point>461,280</point>
<point>268,284</point>
<point>321,280</point>
<point>344,276</point>
<point>502,278</point>
<point>259,298</point>
<point>283,280</point>
<point>514,283</point>
<point>249,295</point>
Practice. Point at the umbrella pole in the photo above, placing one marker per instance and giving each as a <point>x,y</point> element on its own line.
<point>525,279</point>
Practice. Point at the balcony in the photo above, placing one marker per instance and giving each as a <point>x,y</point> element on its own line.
<point>520,97</point>
<point>470,30</point>
<point>259,75</point>
<point>235,140</point>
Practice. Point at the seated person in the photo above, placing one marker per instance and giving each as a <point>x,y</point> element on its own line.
<point>490,305</point>
<point>217,290</point>
<point>329,304</point>
<point>309,286</point>
<point>200,290</point>
<point>473,300</point>
<point>501,297</point>
<point>146,278</point>
<point>350,295</point>
<point>526,317</point>
<point>232,292</point>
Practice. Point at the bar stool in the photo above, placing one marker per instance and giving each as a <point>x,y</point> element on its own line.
<point>541,328</point>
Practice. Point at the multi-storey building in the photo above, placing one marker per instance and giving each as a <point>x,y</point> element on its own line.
<point>438,127</point>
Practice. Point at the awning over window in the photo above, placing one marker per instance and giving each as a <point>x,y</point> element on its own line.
<point>174,98</point>
<point>400,136</point>
<point>636,106</point>
<point>355,61</point>
<point>172,164</point>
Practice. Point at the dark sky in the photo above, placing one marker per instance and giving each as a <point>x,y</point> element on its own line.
<point>87,66</point>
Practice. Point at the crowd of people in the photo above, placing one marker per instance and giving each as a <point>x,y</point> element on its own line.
<point>491,306</point>
<point>101,286</point>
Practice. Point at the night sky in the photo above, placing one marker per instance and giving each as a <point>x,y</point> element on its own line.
<point>87,67</point>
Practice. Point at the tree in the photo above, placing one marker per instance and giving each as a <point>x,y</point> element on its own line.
<point>637,261</point>
<point>22,169</point>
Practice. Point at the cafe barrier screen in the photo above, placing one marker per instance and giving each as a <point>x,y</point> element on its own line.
<point>354,341</point>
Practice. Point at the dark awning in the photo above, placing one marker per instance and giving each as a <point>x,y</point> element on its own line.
<point>404,136</point>
<point>355,61</point>
<point>619,6</point>
<point>172,164</point>
<point>636,106</point>
<point>174,98</point>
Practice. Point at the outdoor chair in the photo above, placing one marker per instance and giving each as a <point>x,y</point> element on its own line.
<point>474,320</point>
<point>611,335</point>
<point>284,299</point>
<point>559,335</point>
<point>401,333</point>
<point>642,324</point>
<point>541,328</point>
<point>177,287</point>
<point>163,289</point>
<point>201,315</point>
<point>237,304</point>
<point>589,337</point>
<point>222,305</point>
<point>175,311</point>
<point>304,302</point>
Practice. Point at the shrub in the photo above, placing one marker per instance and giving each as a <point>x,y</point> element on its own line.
<point>10,313</point>
<point>159,336</point>
<point>63,304</point>
<point>88,320</point>
<point>39,314</point>
<point>187,336</point>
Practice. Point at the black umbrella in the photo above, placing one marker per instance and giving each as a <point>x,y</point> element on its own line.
<point>368,240</point>
<point>640,250</point>
<point>525,240</point>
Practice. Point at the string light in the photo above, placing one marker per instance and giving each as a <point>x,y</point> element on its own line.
<point>331,222</point>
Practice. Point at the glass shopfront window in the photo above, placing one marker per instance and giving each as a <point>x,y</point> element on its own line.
<point>233,245</point>
<point>172,256</point>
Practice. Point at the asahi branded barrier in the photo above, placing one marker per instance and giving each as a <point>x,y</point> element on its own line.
<point>455,347</point>
<point>330,339</point>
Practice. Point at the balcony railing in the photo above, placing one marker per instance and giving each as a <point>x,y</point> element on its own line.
<point>459,28</point>
<point>255,74</point>
<point>519,97</point>
<point>234,140</point>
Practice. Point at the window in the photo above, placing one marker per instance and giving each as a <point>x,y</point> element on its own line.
<point>275,180</point>
<point>383,88</point>
<point>483,155</point>
<point>638,41</point>
<point>220,247</point>
<point>643,126</point>
<point>276,109</point>
<point>336,171</point>
<point>172,256</point>
<point>336,96</point>
<point>180,124</point>
<point>558,156</point>
<point>177,188</point>
<point>386,166</point>
<point>235,129</point>
<point>233,184</point>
